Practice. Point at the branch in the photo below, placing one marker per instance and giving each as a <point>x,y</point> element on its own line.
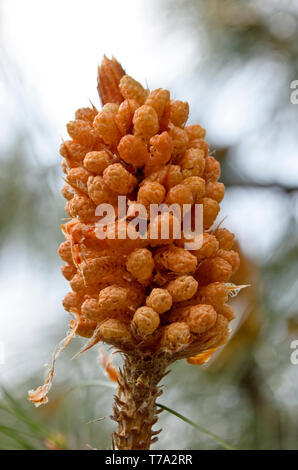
<point>255,185</point>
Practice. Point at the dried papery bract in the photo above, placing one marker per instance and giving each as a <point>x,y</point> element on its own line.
<point>158,297</point>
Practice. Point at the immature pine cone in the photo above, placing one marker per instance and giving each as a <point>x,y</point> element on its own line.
<point>126,292</point>
<point>148,297</point>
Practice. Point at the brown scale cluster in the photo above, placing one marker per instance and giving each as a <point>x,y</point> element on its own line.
<point>147,294</point>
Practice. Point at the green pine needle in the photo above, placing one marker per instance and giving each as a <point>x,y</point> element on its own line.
<point>16,436</point>
<point>197,426</point>
<point>94,383</point>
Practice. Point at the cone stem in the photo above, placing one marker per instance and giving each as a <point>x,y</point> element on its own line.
<point>134,407</point>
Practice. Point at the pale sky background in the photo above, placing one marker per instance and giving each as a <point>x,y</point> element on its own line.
<point>57,45</point>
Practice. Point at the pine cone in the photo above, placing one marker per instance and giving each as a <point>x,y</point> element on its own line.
<point>138,146</point>
<point>150,297</point>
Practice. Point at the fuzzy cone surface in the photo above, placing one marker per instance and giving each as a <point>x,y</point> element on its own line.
<point>150,298</point>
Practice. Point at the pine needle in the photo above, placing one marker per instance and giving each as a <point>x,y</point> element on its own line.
<point>94,383</point>
<point>197,426</point>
